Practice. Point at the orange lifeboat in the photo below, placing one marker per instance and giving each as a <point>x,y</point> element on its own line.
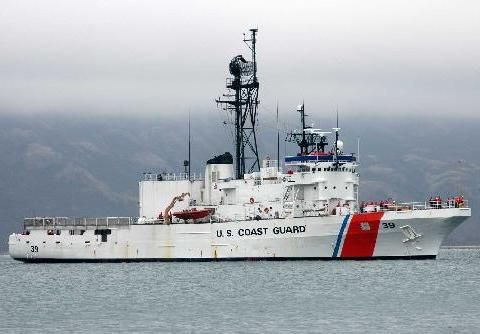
<point>192,214</point>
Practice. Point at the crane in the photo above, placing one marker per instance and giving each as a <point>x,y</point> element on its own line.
<point>166,213</point>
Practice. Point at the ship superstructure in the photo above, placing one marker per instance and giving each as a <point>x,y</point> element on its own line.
<point>306,209</point>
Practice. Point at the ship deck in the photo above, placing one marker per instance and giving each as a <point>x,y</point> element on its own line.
<point>106,222</point>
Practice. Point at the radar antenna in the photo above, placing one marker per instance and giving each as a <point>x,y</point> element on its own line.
<point>243,103</point>
<point>309,140</point>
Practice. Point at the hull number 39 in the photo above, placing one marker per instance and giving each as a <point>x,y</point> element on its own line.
<point>388,225</point>
<point>34,249</point>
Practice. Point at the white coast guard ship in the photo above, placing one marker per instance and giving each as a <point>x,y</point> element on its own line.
<point>310,211</point>
<point>307,210</point>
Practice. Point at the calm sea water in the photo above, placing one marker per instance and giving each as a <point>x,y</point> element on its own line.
<point>430,296</point>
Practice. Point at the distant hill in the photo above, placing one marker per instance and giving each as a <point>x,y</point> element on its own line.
<point>89,166</point>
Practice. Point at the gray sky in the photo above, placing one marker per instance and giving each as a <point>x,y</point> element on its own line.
<point>143,57</point>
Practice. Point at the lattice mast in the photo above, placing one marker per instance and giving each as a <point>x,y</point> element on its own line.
<point>241,101</point>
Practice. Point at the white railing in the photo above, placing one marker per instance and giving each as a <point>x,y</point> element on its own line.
<point>410,206</point>
<point>51,222</point>
<point>171,177</point>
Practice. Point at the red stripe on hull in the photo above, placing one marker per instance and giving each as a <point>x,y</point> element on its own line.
<point>362,235</point>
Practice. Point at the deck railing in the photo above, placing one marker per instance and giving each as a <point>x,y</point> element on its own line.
<point>409,206</point>
<point>52,222</point>
<point>171,177</point>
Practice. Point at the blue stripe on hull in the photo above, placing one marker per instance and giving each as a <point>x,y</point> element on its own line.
<point>340,234</point>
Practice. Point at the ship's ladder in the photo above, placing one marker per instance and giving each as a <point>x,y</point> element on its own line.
<point>287,192</point>
<point>288,205</point>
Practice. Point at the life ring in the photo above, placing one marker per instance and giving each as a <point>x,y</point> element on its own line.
<point>252,200</point>
<point>265,210</point>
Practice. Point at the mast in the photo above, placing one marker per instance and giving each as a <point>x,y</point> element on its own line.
<point>189,149</point>
<point>278,142</point>
<point>336,143</point>
<point>304,141</point>
<point>186,163</point>
<point>243,103</point>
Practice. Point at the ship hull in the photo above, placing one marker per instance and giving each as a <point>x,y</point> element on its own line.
<point>416,234</point>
